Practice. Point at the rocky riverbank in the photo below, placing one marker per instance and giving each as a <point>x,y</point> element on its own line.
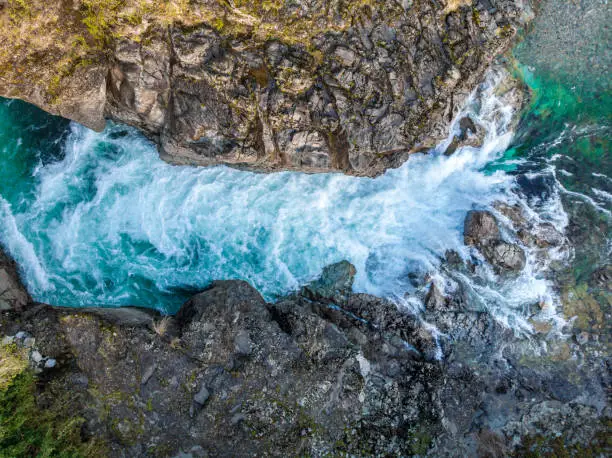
<point>354,86</point>
<point>322,371</point>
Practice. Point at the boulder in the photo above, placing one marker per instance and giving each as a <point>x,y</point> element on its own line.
<point>505,256</point>
<point>481,230</point>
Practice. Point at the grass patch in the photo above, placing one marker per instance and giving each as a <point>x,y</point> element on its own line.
<point>27,430</point>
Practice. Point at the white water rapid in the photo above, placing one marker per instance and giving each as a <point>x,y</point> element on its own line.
<point>112,224</point>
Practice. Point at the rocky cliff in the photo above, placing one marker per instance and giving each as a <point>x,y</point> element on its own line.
<point>347,85</point>
<point>322,372</point>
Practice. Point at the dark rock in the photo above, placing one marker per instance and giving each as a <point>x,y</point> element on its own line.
<point>602,278</point>
<point>307,375</point>
<point>480,228</point>
<point>13,296</point>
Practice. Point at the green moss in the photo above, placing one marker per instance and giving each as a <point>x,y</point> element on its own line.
<point>13,361</point>
<point>27,430</point>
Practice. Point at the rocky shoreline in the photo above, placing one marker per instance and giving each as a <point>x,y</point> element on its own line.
<point>350,86</point>
<point>323,371</point>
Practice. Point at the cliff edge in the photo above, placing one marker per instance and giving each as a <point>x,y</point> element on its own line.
<point>346,85</point>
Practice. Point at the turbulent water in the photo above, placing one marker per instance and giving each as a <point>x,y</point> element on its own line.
<point>99,219</point>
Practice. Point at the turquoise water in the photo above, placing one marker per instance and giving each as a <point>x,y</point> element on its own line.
<point>99,219</point>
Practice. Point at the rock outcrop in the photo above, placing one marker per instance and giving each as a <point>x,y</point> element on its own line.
<point>13,296</point>
<point>347,85</point>
<point>321,372</point>
<point>481,230</point>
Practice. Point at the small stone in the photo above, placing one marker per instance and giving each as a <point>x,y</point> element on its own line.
<point>36,357</point>
<point>202,396</point>
<point>21,335</point>
<point>29,342</point>
<point>50,363</point>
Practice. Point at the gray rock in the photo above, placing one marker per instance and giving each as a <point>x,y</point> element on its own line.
<point>148,373</point>
<point>505,256</point>
<point>480,228</point>
<point>36,357</point>
<point>201,396</point>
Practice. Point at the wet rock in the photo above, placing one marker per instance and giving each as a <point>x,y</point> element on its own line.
<point>505,256</point>
<point>335,283</point>
<point>469,135</point>
<point>435,300</point>
<point>513,212</point>
<point>480,228</point>
<point>310,375</point>
<point>602,278</point>
<point>482,231</point>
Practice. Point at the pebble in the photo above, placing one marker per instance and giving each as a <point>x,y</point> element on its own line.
<point>29,342</point>
<point>8,340</point>
<point>50,363</point>
<point>36,356</point>
<point>202,396</point>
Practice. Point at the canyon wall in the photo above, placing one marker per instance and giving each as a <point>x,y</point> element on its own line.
<point>347,85</point>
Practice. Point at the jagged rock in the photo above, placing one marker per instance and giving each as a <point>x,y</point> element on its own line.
<point>304,375</point>
<point>505,256</point>
<point>470,134</point>
<point>13,296</point>
<point>482,231</point>
<point>480,228</point>
<point>314,85</point>
<point>602,277</point>
<point>335,283</point>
